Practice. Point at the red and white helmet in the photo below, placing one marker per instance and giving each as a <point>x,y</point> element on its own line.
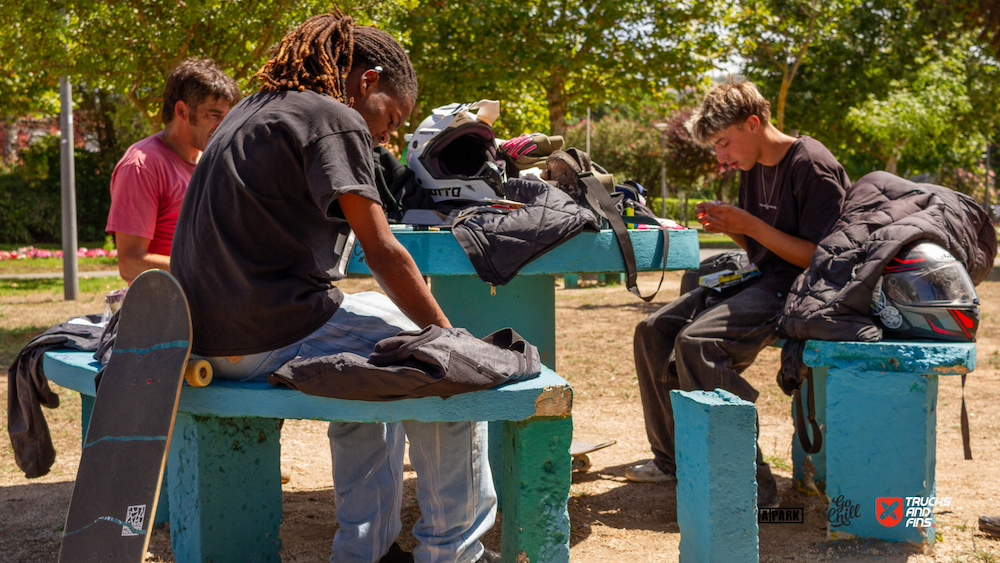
<point>453,153</point>
<point>925,293</point>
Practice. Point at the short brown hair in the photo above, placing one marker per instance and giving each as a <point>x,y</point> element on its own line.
<point>194,81</point>
<point>726,104</point>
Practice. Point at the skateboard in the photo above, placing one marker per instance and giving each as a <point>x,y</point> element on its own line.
<point>579,451</point>
<point>125,450</point>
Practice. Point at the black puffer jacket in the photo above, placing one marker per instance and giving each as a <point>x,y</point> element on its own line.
<point>882,213</point>
<point>500,244</point>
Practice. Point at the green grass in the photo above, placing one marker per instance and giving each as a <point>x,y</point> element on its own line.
<point>11,288</point>
<point>55,265</point>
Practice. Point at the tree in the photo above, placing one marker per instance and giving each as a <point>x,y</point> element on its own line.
<point>917,115</point>
<point>777,35</point>
<point>565,54</point>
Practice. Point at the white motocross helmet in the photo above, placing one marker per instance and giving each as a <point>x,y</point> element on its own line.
<point>453,153</point>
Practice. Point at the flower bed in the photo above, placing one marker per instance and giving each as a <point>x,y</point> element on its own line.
<point>32,252</point>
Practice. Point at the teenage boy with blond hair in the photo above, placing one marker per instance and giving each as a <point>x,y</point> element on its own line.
<point>790,194</point>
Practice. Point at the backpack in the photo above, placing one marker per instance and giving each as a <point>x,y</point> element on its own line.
<point>574,173</point>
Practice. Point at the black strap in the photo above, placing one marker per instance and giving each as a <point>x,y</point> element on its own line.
<point>813,446</point>
<point>966,444</point>
<point>599,200</point>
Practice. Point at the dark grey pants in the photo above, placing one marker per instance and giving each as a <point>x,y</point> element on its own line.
<point>702,340</point>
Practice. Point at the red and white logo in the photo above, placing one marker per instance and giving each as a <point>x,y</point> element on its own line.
<point>889,510</point>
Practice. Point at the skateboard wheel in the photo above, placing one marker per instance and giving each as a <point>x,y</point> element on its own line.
<point>581,463</point>
<point>198,373</point>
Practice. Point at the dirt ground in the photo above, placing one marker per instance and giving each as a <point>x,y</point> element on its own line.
<point>612,520</point>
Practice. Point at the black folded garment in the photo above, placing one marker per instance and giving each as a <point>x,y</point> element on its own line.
<point>431,362</point>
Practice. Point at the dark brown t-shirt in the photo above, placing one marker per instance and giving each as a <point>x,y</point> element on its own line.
<point>802,196</point>
<point>260,234</point>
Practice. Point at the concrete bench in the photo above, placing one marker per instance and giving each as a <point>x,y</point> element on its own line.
<point>223,482</point>
<point>876,404</point>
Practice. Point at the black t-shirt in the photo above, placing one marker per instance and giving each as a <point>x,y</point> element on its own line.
<point>260,234</point>
<point>802,196</point>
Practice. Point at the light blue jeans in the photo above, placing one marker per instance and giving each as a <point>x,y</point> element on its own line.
<point>454,482</point>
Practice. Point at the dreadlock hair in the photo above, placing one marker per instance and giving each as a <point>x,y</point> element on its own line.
<point>320,53</point>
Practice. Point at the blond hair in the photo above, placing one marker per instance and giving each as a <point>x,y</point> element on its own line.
<point>729,103</point>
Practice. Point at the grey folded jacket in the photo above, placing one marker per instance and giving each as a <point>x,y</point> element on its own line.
<point>434,361</point>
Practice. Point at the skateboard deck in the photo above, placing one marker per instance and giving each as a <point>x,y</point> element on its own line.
<point>125,450</point>
<point>579,451</point>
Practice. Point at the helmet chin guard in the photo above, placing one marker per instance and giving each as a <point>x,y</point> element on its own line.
<point>453,153</point>
<point>925,293</point>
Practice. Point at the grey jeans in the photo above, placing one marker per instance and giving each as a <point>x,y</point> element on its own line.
<point>703,340</point>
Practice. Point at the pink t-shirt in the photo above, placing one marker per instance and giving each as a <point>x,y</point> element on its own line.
<point>147,188</point>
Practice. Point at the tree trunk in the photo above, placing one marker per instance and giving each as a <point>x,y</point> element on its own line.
<point>555,96</point>
<point>779,114</point>
<point>10,140</point>
<point>890,165</point>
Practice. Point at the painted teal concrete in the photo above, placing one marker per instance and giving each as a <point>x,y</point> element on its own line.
<point>527,303</point>
<point>716,452</point>
<point>437,253</point>
<point>229,399</point>
<point>570,281</point>
<point>226,494</point>
<point>537,471</point>
<point>205,423</point>
<point>881,418</point>
<point>816,472</point>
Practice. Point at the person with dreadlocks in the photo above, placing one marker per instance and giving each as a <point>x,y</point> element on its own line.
<point>264,231</point>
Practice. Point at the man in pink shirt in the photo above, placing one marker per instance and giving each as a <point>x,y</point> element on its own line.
<point>149,182</point>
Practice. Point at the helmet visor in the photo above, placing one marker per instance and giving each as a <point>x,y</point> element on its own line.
<point>946,284</point>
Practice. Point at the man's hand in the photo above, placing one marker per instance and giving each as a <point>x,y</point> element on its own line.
<point>134,257</point>
<point>718,217</point>
<point>390,263</point>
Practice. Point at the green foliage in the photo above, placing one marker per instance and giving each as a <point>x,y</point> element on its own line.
<point>674,207</point>
<point>631,150</point>
<point>775,36</point>
<point>626,148</point>
<point>30,196</point>
<point>561,55</point>
<point>916,117</point>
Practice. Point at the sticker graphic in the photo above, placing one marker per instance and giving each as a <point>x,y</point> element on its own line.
<point>889,510</point>
<point>891,318</point>
<point>134,519</point>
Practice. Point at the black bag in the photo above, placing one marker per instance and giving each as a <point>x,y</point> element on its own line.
<point>729,260</point>
<point>573,172</point>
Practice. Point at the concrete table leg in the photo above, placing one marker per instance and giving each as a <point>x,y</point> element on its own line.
<point>527,304</point>
<point>225,489</point>
<point>716,448</point>
<point>537,472</point>
<point>881,418</point>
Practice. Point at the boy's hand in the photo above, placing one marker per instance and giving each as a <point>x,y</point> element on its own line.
<point>718,217</point>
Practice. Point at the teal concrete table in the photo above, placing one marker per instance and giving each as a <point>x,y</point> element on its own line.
<point>876,403</point>
<point>528,303</point>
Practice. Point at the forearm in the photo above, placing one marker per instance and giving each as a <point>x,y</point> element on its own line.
<point>738,239</point>
<point>793,249</point>
<point>130,266</point>
<point>399,277</point>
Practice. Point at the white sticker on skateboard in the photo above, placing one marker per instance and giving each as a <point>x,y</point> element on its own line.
<point>134,519</point>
